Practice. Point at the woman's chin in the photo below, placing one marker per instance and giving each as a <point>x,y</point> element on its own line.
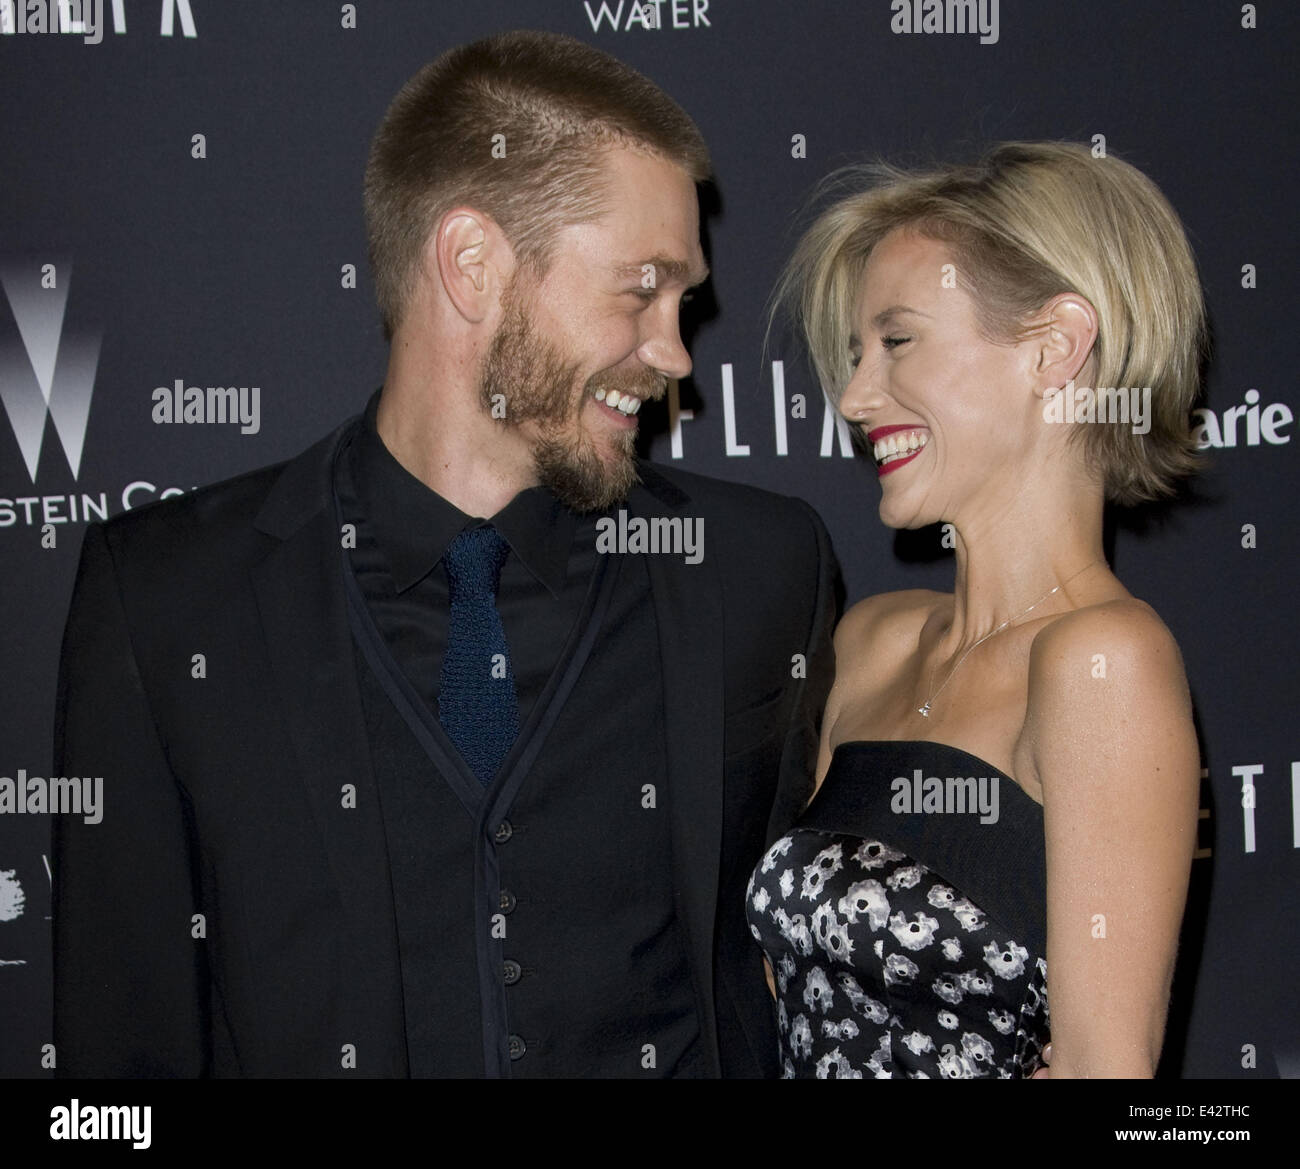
<point>896,517</point>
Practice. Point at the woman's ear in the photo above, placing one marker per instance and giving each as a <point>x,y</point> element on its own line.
<point>1064,338</point>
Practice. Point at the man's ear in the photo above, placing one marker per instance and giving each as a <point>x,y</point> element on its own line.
<point>1064,338</point>
<point>466,251</point>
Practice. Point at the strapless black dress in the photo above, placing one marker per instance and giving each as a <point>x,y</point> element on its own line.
<point>905,922</point>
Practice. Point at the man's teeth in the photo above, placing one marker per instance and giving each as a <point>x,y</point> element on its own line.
<point>623,403</point>
<point>900,445</point>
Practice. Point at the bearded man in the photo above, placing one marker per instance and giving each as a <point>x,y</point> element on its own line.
<point>456,791</point>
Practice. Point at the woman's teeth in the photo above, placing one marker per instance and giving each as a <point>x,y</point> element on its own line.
<point>899,446</point>
<point>623,403</point>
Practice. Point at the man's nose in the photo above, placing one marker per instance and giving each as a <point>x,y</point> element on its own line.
<point>662,348</point>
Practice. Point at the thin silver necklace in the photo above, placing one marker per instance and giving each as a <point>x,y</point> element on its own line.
<point>924,711</point>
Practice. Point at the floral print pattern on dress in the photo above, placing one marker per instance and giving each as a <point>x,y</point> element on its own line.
<point>883,969</point>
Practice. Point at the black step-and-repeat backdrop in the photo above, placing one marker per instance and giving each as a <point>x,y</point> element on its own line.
<point>180,205</point>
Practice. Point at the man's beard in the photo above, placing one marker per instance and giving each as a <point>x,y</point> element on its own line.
<point>536,384</point>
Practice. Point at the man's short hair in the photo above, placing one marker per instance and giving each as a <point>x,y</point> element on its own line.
<point>517,126</point>
<point>1031,220</point>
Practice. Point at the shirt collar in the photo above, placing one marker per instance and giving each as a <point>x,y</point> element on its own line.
<point>413,524</point>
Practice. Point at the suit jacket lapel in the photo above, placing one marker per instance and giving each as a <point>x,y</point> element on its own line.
<point>303,614</point>
<point>688,610</point>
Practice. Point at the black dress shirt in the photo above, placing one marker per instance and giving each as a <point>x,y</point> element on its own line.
<point>589,975</point>
<point>398,563</point>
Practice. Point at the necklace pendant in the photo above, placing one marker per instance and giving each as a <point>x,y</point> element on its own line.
<point>924,711</point>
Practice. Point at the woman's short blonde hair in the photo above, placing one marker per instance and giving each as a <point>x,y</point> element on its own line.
<point>1031,220</point>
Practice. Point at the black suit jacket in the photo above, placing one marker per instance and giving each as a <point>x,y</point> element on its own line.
<point>225,919</point>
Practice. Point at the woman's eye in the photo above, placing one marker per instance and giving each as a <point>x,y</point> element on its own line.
<point>855,360</point>
<point>894,342</point>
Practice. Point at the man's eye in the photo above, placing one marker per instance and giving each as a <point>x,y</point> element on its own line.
<point>648,295</point>
<point>894,342</point>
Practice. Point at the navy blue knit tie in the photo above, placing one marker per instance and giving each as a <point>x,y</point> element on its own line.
<point>477,704</point>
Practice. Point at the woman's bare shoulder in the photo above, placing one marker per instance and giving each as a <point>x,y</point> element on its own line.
<point>885,627</point>
<point>888,615</point>
<point>1106,679</point>
<point>1123,626</point>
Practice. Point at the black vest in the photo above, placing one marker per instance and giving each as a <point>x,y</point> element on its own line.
<point>535,919</point>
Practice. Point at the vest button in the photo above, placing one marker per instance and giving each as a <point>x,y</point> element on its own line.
<point>517,1047</point>
<point>511,971</point>
<point>507,902</point>
<point>505,830</point>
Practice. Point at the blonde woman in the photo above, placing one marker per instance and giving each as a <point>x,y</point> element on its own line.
<point>1006,796</point>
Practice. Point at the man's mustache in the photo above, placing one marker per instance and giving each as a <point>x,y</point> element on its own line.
<point>645,384</point>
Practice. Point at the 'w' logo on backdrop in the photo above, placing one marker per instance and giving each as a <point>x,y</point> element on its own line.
<point>49,373</point>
